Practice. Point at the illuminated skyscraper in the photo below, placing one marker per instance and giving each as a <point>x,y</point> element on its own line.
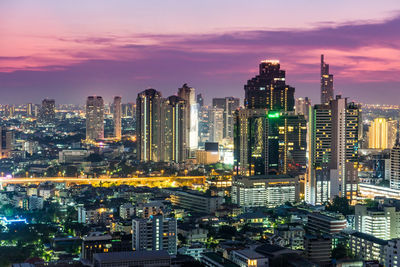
<point>317,187</point>
<point>200,100</point>
<point>216,124</point>
<point>5,142</point>
<point>268,137</point>
<point>47,111</point>
<point>303,107</point>
<point>229,106</point>
<point>148,125</point>
<point>174,116</point>
<point>117,117</point>
<point>268,90</point>
<point>378,134</point>
<point>392,132</point>
<point>29,109</point>
<point>326,83</point>
<point>94,118</point>
<point>192,124</point>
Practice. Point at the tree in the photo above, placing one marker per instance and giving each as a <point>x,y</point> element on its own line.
<point>341,205</point>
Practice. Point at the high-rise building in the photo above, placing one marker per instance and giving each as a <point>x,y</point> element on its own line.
<point>333,160</point>
<point>268,90</point>
<point>117,117</point>
<point>200,100</point>
<point>47,111</point>
<point>192,123</point>
<point>154,233</point>
<point>346,119</point>
<point>378,134</point>
<point>148,125</point>
<point>216,124</point>
<point>6,142</point>
<point>204,126</point>
<point>94,118</point>
<point>268,137</point>
<point>9,111</point>
<point>303,107</point>
<point>317,189</point>
<point>395,166</point>
<point>229,105</point>
<point>326,83</point>
<point>392,132</point>
<point>174,132</point>
<point>251,142</point>
<point>29,109</point>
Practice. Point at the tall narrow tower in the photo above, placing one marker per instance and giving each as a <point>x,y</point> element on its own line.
<point>117,117</point>
<point>326,83</point>
<point>94,118</point>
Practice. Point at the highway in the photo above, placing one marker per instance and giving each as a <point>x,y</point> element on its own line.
<point>140,181</point>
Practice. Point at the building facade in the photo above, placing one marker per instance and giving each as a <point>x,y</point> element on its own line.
<point>94,118</point>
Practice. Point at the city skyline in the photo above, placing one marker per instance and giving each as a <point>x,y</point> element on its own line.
<point>62,61</point>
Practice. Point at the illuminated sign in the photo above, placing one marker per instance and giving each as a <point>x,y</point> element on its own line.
<point>274,115</point>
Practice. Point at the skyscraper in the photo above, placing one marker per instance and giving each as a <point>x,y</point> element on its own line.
<point>117,117</point>
<point>268,90</point>
<point>188,94</point>
<point>395,166</point>
<point>200,100</point>
<point>229,106</point>
<point>216,124</point>
<point>251,142</point>
<point>47,111</point>
<point>5,142</point>
<point>94,118</point>
<point>333,161</point>
<point>174,133</point>
<point>326,83</point>
<point>148,125</point>
<point>268,137</point>
<point>378,134</point>
<point>317,187</point>
<point>29,109</point>
<point>303,107</point>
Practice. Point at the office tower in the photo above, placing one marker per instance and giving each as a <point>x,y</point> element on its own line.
<point>287,143</point>
<point>317,188</point>
<point>6,142</point>
<point>174,134</point>
<point>117,117</point>
<point>29,109</point>
<point>251,142</point>
<point>344,161</point>
<point>395,166</point>
<point>229,106</point>
<point>392,132</point>
<point>200,100</point>
<point>204,125</point>
<point>216,124</point>
<point>94,118</point>
<point>303,107</point>
<point>154,233</point>
<point>268,137</point>
<point>268,90</point>
<point>148,125</point>
<point>378,134</point>
<point>188,94</point>
<point>333,161</point>
<point>326,83</point>
<point>47,111</point>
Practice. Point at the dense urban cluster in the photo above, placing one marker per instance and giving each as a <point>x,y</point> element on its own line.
<point>171,181</point>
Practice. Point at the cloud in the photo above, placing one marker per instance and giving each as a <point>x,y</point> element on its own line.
<point>359,53</point>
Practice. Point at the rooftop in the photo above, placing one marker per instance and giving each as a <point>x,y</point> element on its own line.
<point>131,255</point>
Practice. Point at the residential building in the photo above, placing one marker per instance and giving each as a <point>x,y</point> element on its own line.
<point>154,233</point>
<point>367,247</point>
<point>94,118</point>
<point>117,117</point>
<point>159,258</point>
<point>248,258</point>
<point>326,223</point>
<point>318,249</point>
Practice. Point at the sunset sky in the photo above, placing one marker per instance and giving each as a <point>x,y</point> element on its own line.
<point>69,49</point>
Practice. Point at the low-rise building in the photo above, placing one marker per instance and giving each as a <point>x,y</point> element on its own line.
<point>248,258</point>
<point>326,223</point>
<point>195,201</point>
<point>159,258</point>
<point>261,191</point>
<point>318,249</point>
